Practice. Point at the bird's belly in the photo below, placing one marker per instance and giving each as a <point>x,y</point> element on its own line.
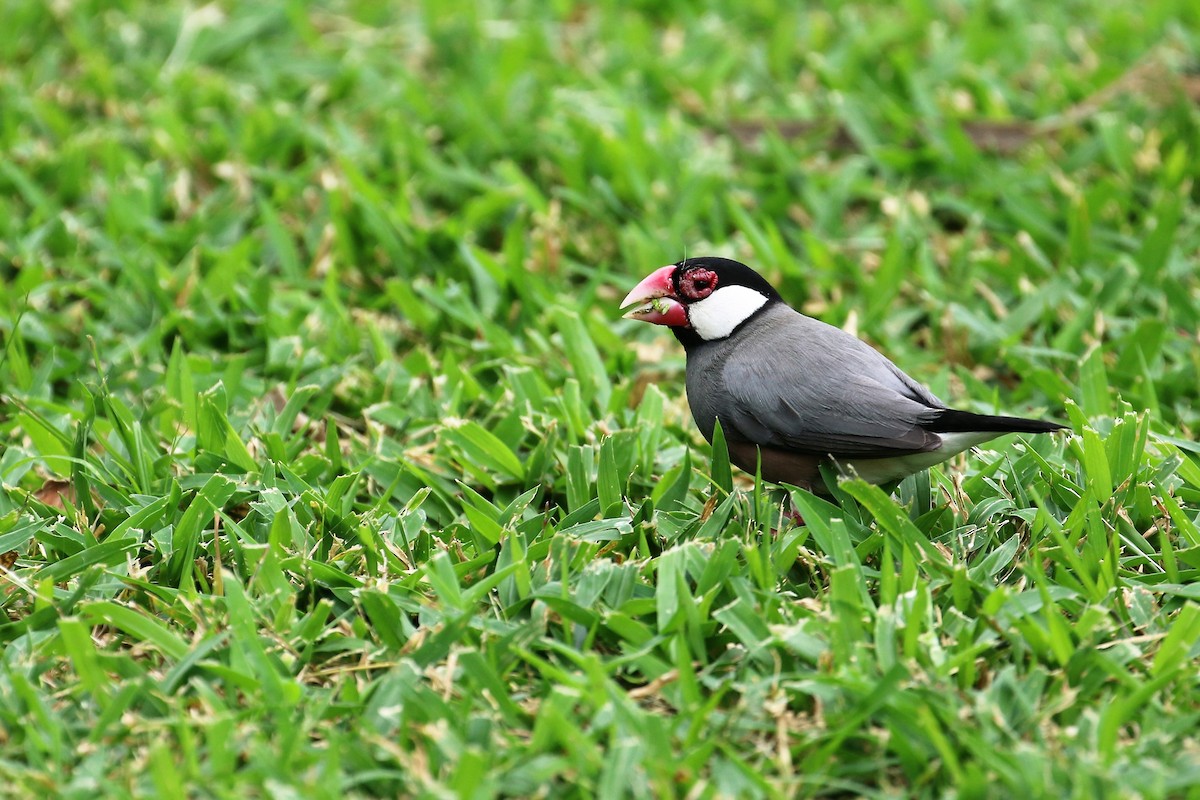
<point>778,466</point>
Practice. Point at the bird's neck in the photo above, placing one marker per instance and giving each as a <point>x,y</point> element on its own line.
<point>688,338</point>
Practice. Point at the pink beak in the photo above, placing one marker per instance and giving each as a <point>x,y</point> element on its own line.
<point>658,296</point>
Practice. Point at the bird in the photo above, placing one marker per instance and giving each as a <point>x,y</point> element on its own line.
<point>793,393</point>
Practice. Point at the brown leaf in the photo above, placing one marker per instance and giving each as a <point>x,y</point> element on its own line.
<point>56,493</point>
<point>1153,79</point>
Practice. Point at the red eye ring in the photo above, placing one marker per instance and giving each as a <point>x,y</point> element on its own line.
<point>697,283</point>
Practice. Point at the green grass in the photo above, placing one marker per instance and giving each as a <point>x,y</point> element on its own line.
<point>331,470</point>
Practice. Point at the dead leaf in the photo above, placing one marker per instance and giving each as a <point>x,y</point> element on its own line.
<point>56,493</point>
<point>1154,80</point>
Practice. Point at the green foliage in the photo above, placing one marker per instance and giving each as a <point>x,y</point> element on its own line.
<point>330,469</point>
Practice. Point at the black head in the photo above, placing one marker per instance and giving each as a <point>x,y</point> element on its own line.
<point>696,278</point>
<point>701,299</point>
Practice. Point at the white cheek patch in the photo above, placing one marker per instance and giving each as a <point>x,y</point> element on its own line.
<point>717,315</point>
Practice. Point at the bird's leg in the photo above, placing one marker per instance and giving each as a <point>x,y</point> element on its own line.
<point>787,512</point>
<point>789,515</point>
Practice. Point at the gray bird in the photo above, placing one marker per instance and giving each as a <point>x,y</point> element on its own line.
<point>796,390</point>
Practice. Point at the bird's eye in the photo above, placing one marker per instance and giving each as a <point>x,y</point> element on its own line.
<point>698,284</point>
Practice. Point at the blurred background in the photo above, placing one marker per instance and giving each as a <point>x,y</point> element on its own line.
<point>988,191</point>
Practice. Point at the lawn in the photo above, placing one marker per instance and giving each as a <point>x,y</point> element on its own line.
<point>329,468</point>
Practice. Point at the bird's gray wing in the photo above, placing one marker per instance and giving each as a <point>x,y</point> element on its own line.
<point>808,387</point>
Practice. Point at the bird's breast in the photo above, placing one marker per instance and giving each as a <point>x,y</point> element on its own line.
<point>706,392</point>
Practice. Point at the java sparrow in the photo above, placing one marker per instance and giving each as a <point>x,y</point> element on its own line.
<point>798,392</point>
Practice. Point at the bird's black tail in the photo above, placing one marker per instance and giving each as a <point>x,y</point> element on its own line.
<point>954,421</point>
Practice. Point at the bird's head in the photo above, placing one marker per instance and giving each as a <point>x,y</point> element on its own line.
<point>700,299</point>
